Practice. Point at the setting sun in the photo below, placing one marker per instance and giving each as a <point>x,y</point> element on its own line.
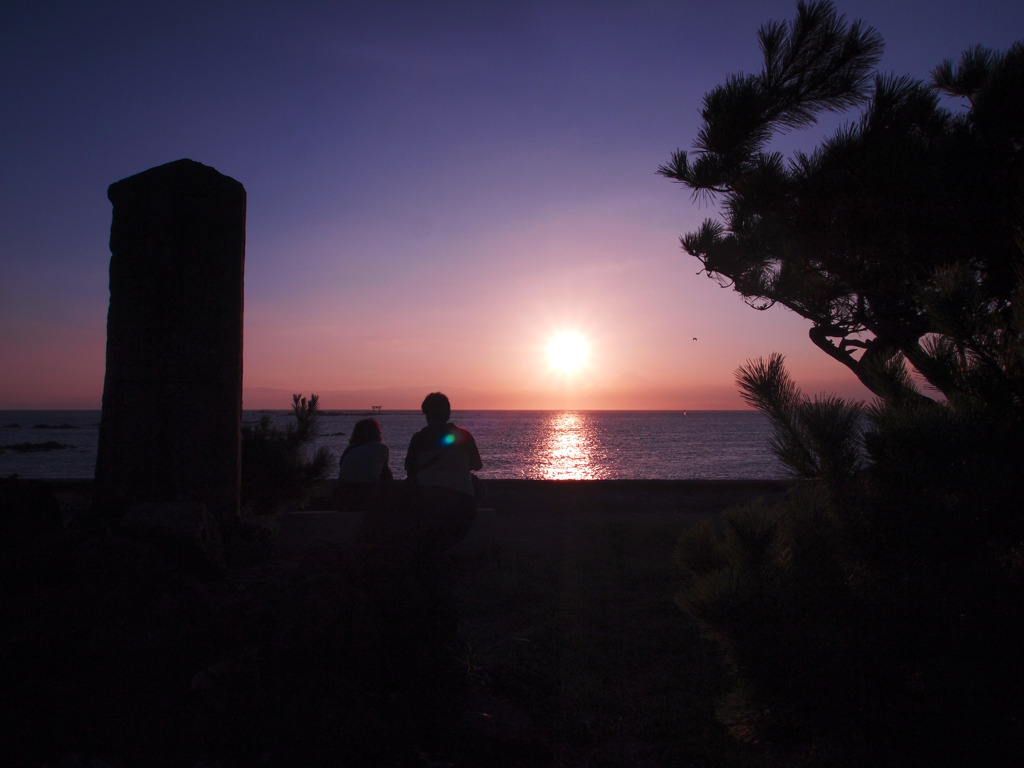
<point>567,352</point>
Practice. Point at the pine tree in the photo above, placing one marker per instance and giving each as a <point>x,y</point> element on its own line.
<point>897,236</point>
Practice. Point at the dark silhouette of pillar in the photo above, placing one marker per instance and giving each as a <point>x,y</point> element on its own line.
<point>172,396</point>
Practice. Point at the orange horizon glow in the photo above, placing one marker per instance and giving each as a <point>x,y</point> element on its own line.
<point>514,371</point>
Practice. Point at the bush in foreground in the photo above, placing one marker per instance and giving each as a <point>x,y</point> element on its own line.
<point>874,616</point>
<point>275,467</point>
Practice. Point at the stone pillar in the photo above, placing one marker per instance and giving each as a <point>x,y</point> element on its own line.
<point>172,396</point>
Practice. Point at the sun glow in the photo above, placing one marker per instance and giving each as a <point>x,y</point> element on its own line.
<point>568,352</point>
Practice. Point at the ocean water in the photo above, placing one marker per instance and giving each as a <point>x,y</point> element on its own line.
<point>538,445</point>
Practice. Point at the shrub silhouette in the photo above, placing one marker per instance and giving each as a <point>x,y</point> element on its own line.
<point>874,616</point>
<point>276,469</point>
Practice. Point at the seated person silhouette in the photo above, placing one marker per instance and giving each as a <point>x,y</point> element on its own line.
<point>442,454</point>
<point>435,509</point>
<point>363,468</point>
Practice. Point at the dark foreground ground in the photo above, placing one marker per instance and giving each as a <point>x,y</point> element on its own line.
<point>552,641</point>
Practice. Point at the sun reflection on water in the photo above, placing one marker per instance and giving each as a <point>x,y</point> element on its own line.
<point>569,447</point>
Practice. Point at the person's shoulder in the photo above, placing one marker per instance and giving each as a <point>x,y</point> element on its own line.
<point>422,436</point>
<point>436,431</point>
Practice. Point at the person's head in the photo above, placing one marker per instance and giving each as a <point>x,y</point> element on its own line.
<point>366,431</point>
<point>436,408</point>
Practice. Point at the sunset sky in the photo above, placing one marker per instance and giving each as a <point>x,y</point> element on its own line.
<point>436,190</point>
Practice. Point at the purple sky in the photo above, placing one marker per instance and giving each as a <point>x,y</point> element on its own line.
<point>435,189</point>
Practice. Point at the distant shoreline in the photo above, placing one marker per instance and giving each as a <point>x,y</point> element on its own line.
<point>416,411</point>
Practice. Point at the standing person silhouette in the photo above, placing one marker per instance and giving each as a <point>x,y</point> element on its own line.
<point>443,454</point>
